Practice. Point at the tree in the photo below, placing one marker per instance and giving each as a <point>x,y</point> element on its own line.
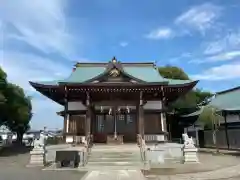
<point>3,85</point>
<point>19,110</point>
<point>211,118</point>
<point>173,72</point>
<point>190,101</point>
<point>15,106</point>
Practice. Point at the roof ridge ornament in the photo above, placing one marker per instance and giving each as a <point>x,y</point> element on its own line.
<point>114,72</point>
<point>114,60</point>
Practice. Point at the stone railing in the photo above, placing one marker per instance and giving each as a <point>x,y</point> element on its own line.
<point>142,146</point>
<point>87,148</point>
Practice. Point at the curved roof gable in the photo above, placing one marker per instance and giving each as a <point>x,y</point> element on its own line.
<point>141,72</point>
<point>83,74</point>
<point>145,72</point>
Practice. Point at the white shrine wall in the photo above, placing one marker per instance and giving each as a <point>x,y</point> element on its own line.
<point>153,105</point>
<point>150,105</point>
<point>230,118</point>
<point>76,105</point>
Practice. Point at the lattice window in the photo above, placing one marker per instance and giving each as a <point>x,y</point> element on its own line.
<point>100,123</point>
<point>129,118</point>
<point>121,117</point>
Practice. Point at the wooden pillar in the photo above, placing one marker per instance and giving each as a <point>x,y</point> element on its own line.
<point>93,120</point>
<point>88,116</point>
<point>115,121</point>
<point>137,119</point>
<point>140,116</point>
<point>66,117</point>
<point>163,115</point>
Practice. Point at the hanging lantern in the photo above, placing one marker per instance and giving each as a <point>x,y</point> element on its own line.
<point>128,109</point>
<point>110,111</point>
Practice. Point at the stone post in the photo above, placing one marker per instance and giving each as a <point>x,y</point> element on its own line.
<point>189,150</point>
<point>38,153</point>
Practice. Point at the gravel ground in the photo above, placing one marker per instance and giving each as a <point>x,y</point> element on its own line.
<point>13,167</point>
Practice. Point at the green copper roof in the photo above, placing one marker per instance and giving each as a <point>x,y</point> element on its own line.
<point>147,74</point>
<point>82,74</point>
<point>48,83</point>
<point>177,81</point>
<point>196,113</point>
<point>229,101</point>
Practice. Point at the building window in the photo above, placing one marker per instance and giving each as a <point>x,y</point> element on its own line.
<point>129,119</point>
<point>121,117</point>
<point>100,123</point>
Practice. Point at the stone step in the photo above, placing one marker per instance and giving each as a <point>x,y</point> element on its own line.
<point>96,167</point>
<point>115,152</point>
<point>122,163</point>
<point>114,155</point>
<point>106,159</point>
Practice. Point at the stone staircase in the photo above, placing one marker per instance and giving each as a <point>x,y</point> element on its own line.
<point>111,140</point>
<point>115,157</point>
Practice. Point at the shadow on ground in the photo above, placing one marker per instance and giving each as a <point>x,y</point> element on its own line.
<point>235,153</point>
<point>14,149</point>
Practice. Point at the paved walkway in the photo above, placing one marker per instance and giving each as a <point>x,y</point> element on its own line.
<point>114,175</point>
<point>224,173</point>
<point>221,151</point>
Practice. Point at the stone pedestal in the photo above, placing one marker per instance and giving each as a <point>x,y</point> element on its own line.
<point>190,155</point>
<point>38,157</point>
<point>189,150</point>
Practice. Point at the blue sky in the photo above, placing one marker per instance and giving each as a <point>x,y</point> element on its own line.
<point>43,39</point>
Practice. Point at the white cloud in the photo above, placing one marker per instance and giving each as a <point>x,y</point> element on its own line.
<point>22,67</point>
<point>123,44</point>
<point>223,43</point>
<point>185,55</point>
<point>200,17</point>
<point>160,33</point>
<point>41,24</point>
<point>224,56</point>
<point>231,55</point>
<point>223,72</point>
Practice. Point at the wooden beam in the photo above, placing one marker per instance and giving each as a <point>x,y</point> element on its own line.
<point>115,103</point>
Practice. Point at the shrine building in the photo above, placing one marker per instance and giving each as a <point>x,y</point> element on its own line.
<point>115,101</point>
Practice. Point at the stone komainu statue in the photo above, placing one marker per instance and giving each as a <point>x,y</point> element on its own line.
<point>188,142</point>
<point>40,143</point>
